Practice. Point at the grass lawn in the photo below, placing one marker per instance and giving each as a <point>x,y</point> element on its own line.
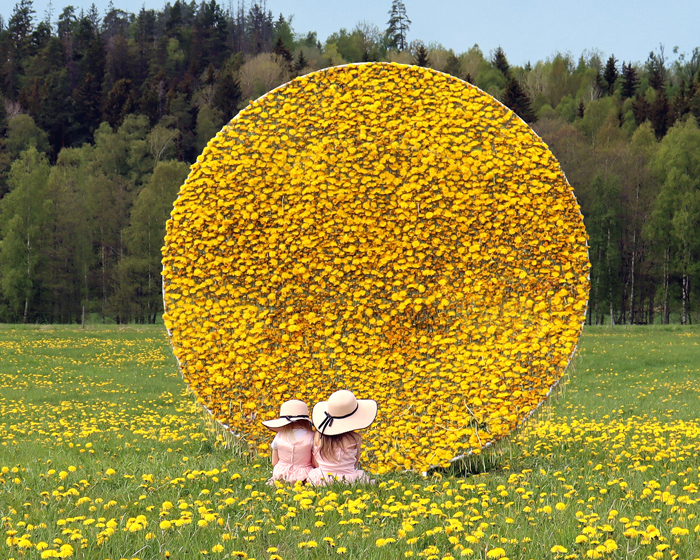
<point>104,455</point>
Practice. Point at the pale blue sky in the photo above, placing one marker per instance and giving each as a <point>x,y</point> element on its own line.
<point>528,30</point>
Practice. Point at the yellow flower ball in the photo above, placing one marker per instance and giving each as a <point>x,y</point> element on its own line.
<point>387,229</point>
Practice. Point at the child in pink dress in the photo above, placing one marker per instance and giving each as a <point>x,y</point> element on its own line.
<point>337,447</point>
<point>292,446</point>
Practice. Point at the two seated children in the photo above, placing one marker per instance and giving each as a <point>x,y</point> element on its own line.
<point>333,451</point>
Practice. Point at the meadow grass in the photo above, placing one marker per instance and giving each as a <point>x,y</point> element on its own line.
<point>105,455</point>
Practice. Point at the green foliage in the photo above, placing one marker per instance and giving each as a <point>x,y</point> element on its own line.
<point>122,93</point>
<point>22,134</point>
<point>675,220</point>
<point>598,113</point>
<point>23,213</point>
<point>610,74</point>
<point>347,45</point>
<point>397,26</point>
<point>500,62</point>
<point>491,81</point>
<point>209,122</point>
<point>139,272</point>
<point>421,58</point>
<point>516,99</point>
<point>453,65</point>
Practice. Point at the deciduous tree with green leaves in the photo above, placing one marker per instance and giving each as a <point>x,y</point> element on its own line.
<point>23,214</point>
<point>675,219</point>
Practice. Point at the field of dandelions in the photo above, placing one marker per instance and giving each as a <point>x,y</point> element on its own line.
<point>105,455</point>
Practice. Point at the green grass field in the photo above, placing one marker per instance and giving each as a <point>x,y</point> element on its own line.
<point>104,455</point>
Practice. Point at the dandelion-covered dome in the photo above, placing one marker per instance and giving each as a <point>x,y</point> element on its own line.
<point>387,229</point>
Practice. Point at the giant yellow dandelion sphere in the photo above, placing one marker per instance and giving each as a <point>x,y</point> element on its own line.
<point>387,229</point>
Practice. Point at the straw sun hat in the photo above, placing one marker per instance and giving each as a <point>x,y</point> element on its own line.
<point>342,413</point>
<point>290,411</point>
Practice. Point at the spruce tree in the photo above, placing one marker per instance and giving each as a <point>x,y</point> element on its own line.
<point>421,57</point>
<point>660,115</point>
<point>500,61</point>
<point>610,74</point>
<point>630,81</point>
<point>300,63</point>
<point>281,50</point>
<point>516,99</point>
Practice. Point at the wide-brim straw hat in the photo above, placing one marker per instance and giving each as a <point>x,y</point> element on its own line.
<point>342,413</point>
<point>290,411</point>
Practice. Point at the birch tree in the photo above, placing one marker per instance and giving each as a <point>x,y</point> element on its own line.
<point>22,215</point>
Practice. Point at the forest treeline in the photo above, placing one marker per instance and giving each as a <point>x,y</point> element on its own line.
<point>102,114</point>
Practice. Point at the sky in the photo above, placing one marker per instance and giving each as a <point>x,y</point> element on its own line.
<point>527,30</point>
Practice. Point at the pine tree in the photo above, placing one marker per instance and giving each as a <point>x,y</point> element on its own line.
<point>516,99</point>
<point>398,26</point>
<point>421,57</point>
<point>630,81</point>
<point>610,74</point>
<point>500,61</point>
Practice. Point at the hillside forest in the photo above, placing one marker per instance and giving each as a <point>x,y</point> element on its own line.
<point>101,115</point>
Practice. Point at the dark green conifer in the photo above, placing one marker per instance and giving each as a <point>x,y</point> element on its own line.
<point>610,74</point>
<point>421,58</point>
<point>227,95</point>
<point>630,81</point>
<point>281,50</point>
<point>120,102</point>
<point>518,100</point>
<point>300,63</point>
<point>500,61</point>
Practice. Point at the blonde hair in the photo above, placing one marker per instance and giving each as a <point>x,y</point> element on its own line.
<point>287,431</point>
<point>329,445</point>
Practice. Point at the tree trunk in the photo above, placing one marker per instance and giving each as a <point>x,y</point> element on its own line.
<point>597,289</point>
<point>612,311</point>
<point>685,294</point>
<point>104,283</point>
<point>666,310</point>
<point>634,255</point>
<point>29,279</point>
